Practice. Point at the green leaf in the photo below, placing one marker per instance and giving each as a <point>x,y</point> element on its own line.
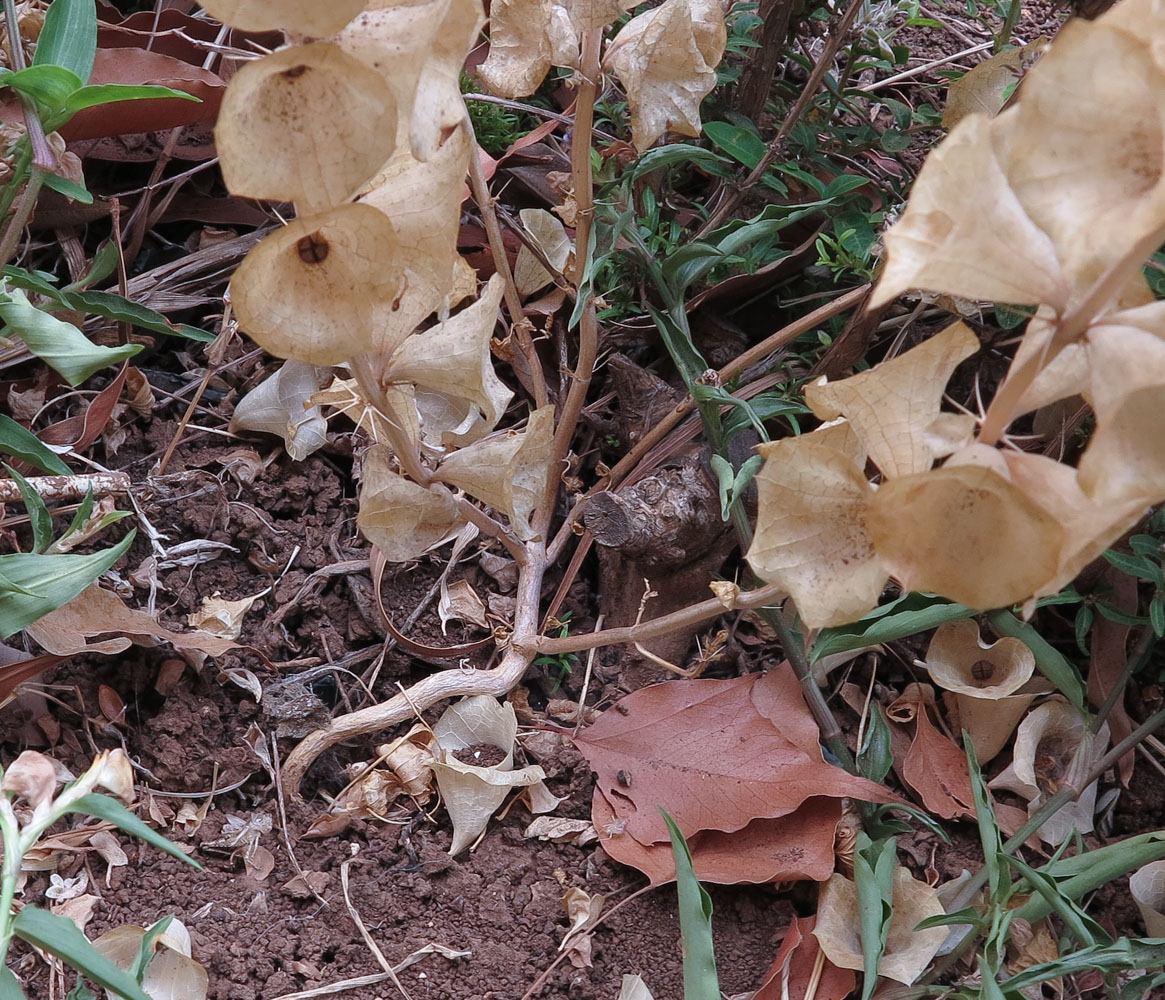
<point>23,444</point>
<point>112,811</point>
<point>695,906</point>
<point>843,184</point>
<point>38,511</point>
<point>1049,661</point>
<point>1146,545</point>
<point>107,304</point>
<point>32,585</point>
<point>70,189</point>
<point>874,880</point>
<point>146,949</point>
<point>113,93</point>
<point>1086,930</point>
<point>988,828</point>
<point>84,509</point>
<point>49,86</point>
<point>967,915</point>
<point>10,988</point>
<point>894,142</point>
<point>1082,626</point>
<point>874,756</point>
<point>1009,317</point>
<point>907,615</point>
<point>685,153</point>
<point>59,344</point>
<point>1121,954</point>
<point>1157,614</point>
<point>988,984</point>
<point>742,144</point>
<point>1142,567</point>
<point>104,263</point>
<point>61,937</point>
<point>69,37</point>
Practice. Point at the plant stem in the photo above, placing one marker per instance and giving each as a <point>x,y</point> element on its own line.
<point>518,319</point>
<point>365,373</point>
<point>693,614</point>
<point>10,873</point>
<point>836,36</point>
<point>588,327</point>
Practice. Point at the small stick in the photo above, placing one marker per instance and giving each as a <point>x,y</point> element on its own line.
<point>55,488</point>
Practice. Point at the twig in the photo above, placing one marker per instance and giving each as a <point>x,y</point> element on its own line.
<point>521,324</point>
<point>369,940</point>
<point>53,488</point>
<point>588,328</point>
<point>836,37</point>
<point>684,618</point>
<point>906,74</point>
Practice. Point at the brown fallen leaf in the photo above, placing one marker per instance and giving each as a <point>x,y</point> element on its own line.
<point>794,847</point>
<point>937,770</point>
<point>789,976</point>
<point>716,754</point>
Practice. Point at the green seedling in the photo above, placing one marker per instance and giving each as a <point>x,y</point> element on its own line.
<point>29,805</point>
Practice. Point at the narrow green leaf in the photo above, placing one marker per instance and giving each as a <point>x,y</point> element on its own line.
<point>104,263</point>
<point>68,37</point>
<point>83,511</point>
<point>874,756</point>
<point>988,984</point>
<point>42,583</point>
<point>146,950</point>
<point>968,915</point>
<point>1142,567</point>
<point>1124,953</point>
<point>1157,613</point>
<point>70,189</point>
<point>113,93</point>
<point>873,878</point>
<point>112,811</point>
<point>681,152</point>
<point>61,937</point>
<point>908,615</point>
<point>105,304</point>
<point>1086,930</point>
<point>10,988</point>
<point>1049,661</point>
<point>988,829</point>
<point>21,443</point>
<point>700,979</point>
<point>38,512</point>
<point>59,344</point>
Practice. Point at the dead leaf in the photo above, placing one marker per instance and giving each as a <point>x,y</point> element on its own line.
<point>31,776</point>
<point>937,770</point>
<point>583,911</point>
<point>980,90</point>
<point>666,59</point>
<point>812,537</point>
<point>222,617</point>
<point>893,406</point>
<point>908,951</point>
<point>509,471</point>
<point>526,38</point>
<point>471,792</point>
<point>550,235</point>
<point>459,602</point>
<point>634,988</point>
<point>307,885</point>
<point>790,975</point>
<point>792,848</point>
<point>1147,886</point>
<point>308,17</point>
<point>281,404</point>
<point>748,746</point>
<point>399,517</point>
<point>965,532</point>
<point>578,832</point>
<point>307,124</point>
<point>313,291</point>
<point>453,360</point>
<point>172,971</point>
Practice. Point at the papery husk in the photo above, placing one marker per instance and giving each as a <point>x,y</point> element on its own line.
<point>281,404</point>
<point>308,17</point>
<point>1046,745</point>
<point>307,124</point>
<point>1147,885</point>
<point>991,710</point>
<point>908,952</point>
<point>473,794</point>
